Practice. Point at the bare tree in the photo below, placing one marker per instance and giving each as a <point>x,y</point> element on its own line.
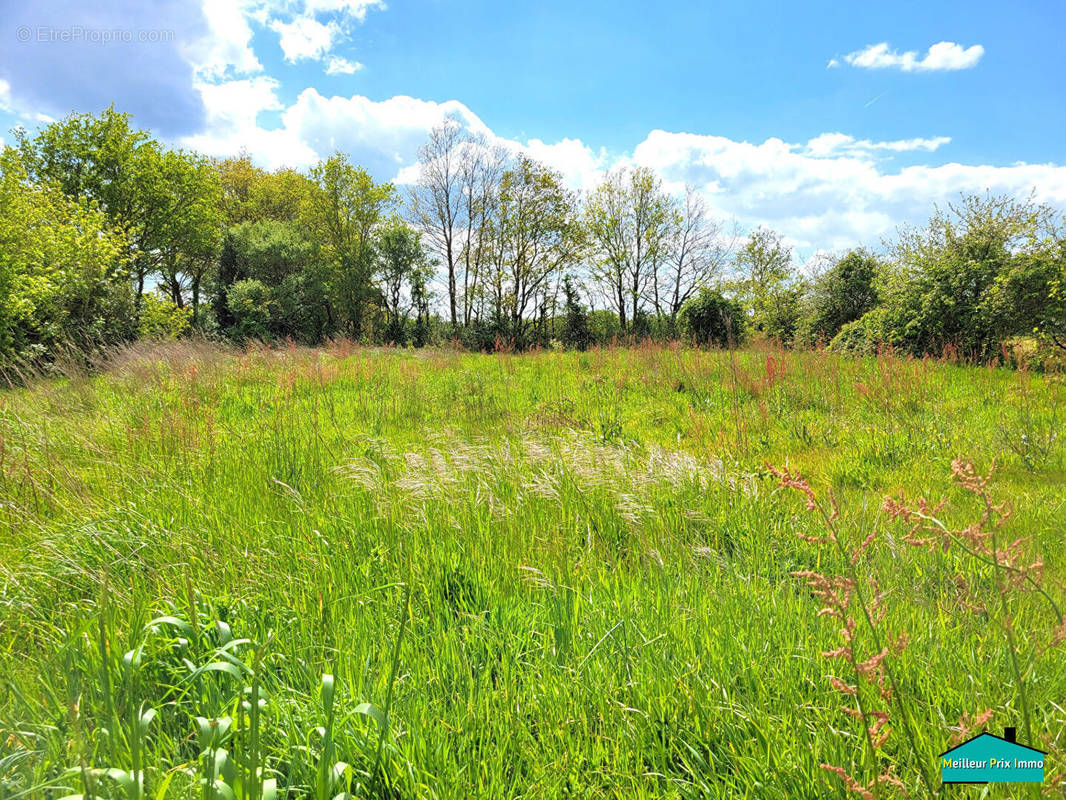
<point>437,200</point>
<point>699,248</point>
<point>481,168</point>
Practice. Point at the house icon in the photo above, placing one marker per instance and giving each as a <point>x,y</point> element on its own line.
<point>987,758</point>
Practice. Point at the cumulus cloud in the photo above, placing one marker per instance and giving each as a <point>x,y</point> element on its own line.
<point>382,135</point>
<point>305,38</point>
<point>226,45</point>
<point>828,198</point>
<point>942,56</point>
<point>342,66</point>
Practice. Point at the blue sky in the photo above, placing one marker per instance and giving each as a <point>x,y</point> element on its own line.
<point>831,122</point>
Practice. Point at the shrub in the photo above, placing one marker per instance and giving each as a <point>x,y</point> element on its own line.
<point>709,318</point>
<point>252,306</point>
<point>575,333</point>
<point>161,319</point>
<point>840,296</point>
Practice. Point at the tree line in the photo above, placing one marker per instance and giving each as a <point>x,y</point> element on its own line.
<point>107,235</point>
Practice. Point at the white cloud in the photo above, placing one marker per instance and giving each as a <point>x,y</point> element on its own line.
<point>828,198</point>
<point>581,166</point>
<point>342,66</point>
<point>942,56</point>
<point>833,191</point>
<point>305,37</point>
<point>5,95</point>
<point>228,43</point>
<point>830,144</point>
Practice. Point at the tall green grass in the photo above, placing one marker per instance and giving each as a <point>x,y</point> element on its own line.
<point>341,572</point>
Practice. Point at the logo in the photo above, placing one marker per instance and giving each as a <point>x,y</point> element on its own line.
<point>987,758</point>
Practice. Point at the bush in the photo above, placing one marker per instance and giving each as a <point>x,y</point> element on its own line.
<point>840,296</point>
<point>252,306</point>
<point>575,333</point>
<point>709,318</point>
<point>976,275</point>
<point>162,320</point>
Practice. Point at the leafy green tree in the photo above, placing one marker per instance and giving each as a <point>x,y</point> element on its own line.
<point>282,257</point>
<point>979,272</point>
<point>575,332</point>
<point>252,306</point>
<point>104,160</point>
<point>63,273</point>
<point>161,319</point>
<point>251,194</point>
<point>228,273</point>
<point>768,286</point>
<point>191,234</point>
<point>343,210</point>
<point>536,233</point>
<point>401,261</point>
<point>842,294</point>
<point>629,220</point>
<point>1029,297</point>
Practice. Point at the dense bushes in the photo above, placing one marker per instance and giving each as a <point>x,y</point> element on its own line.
<point>980,273</point>
<point>838,297</point>
<point>710,318</point>
<point>63,278</point>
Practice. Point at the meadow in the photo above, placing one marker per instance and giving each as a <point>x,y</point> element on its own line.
<point>345,572</point>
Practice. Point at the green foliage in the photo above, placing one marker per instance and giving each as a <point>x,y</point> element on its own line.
<point>841,295</point>
<point>161,319</point>
<point>253,308</point>
<point>768,286</point>
<point>575,332</point>
<point>343,211</point>
<point>401,266</point>
<point>629,221</point>
<point>977,274</point>
<point>63,274</point>
<point>709,318</point>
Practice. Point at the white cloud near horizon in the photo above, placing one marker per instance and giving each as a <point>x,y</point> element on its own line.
<point>941,57</point>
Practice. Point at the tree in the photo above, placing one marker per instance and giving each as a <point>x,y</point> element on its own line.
<point>437,200</point>
<point>343,210</point>
<point>191,232</point>
<point>481,169</point>
<point>252,305</point>
<point>768,286</point>
<point>401,263</point>
<point>228,273</point>
<point>64,278</point>
<point>575,333</point>
<point>840,295</point>
<point>698,249</point>
<point>534,235</point>
<point>104,160</point>
<point>978,273</point>
<point>251,194</point>
<point>628,219</point>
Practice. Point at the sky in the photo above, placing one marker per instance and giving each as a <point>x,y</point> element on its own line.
<point>831,122</point>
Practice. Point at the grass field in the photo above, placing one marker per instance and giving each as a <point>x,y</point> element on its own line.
<point>303,573</point>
